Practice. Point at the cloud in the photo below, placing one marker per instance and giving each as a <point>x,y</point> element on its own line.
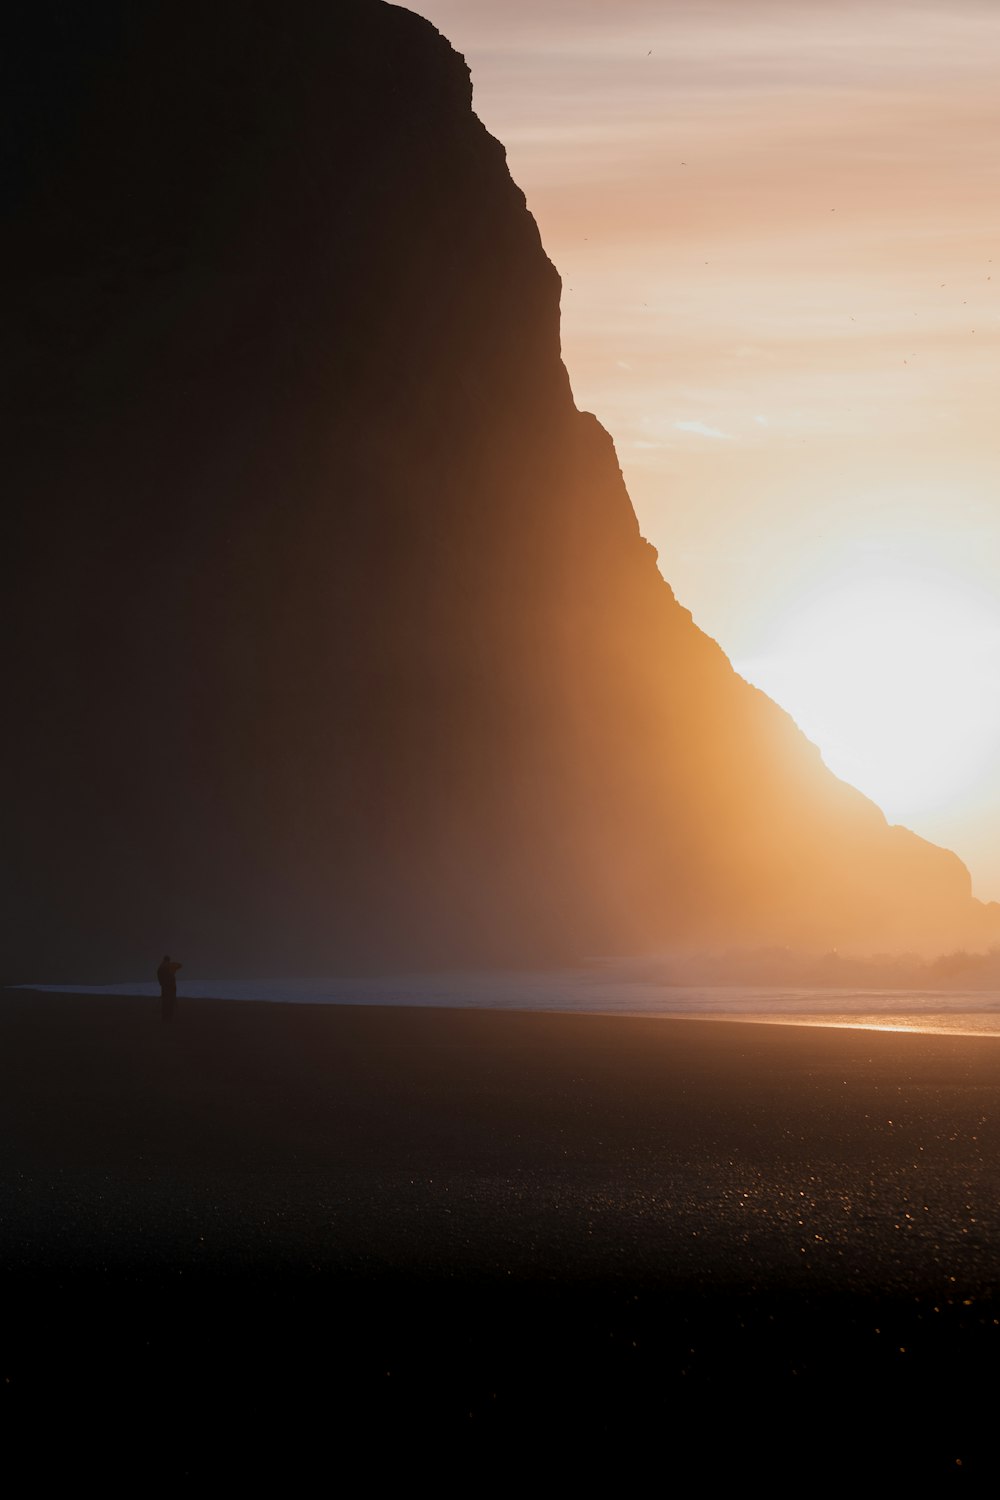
<point>703,430</point>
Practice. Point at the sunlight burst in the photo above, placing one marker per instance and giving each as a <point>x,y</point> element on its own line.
<point>894,677</point>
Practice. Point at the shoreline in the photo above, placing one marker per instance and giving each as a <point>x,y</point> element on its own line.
<point>832,1009</point>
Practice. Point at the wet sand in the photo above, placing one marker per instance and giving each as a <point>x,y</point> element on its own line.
<point>273,1231</point>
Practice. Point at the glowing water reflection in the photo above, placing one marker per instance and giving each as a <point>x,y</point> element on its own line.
<point>610,989</point>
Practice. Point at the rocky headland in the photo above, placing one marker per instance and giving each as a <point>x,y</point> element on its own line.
<point>330,635</point>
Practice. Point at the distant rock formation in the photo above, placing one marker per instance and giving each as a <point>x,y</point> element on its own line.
<point>330,637</point>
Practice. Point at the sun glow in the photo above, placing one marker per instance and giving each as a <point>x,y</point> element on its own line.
<point>892,671</point>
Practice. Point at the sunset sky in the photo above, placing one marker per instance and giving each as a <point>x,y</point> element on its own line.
<point>778,228</point>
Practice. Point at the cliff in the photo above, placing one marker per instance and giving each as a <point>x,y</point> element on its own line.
<point>330,634</point>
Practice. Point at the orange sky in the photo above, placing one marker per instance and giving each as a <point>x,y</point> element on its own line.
<point>778,227</point>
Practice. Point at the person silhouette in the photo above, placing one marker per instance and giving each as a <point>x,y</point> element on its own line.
<point>167,975</point>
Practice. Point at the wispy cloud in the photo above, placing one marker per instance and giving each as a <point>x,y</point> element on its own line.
<point>703,430</point>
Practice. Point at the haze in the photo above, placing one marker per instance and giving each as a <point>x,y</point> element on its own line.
<point>780,252</point>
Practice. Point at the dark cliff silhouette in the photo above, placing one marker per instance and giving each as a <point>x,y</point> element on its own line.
<point>330,636</point>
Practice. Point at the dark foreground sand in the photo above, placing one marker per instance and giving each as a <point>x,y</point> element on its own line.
<point>266,1236</point>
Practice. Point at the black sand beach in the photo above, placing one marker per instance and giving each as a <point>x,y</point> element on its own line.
<point>264,1233</point>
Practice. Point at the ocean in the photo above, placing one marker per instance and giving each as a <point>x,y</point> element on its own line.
<point>602,990</point>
